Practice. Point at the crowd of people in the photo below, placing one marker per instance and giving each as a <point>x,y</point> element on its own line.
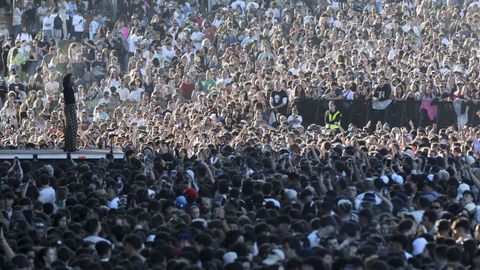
<point>220,171</point>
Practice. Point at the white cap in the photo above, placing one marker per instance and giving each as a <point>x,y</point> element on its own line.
<point>151,238</point>
<point>462,188</point>
<point>275,256</point>
<point>229,257</point>
<point>419,246</point>
<point>397,179</point>
<point>290,193</point>
<point>384,179</point>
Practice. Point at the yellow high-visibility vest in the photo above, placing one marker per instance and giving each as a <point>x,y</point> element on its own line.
<point>331,118</point>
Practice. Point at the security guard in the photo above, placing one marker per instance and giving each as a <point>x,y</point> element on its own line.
<point>333,117</point>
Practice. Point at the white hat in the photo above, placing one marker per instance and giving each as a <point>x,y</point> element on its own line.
<point>229,257</point>
<point>470,160</point>
<point>201,221</point>
<point>417,215</point>
<point>419,246</point>
<point>397,179</point>
<point>290,193</point>
<point>151,238</point>
<point>463,187</point>
<point>384,179</point>
<point>274,257</point>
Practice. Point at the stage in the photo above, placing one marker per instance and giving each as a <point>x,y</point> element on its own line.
<point>53,154</point>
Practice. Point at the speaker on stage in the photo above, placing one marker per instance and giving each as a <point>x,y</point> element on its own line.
<point>70,111</point>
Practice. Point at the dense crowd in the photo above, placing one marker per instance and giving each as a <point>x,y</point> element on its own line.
<point>221,172</point>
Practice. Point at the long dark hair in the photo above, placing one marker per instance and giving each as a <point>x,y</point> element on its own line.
<point>67,81</point>
<point>40,261</point>
<point>14,53</point>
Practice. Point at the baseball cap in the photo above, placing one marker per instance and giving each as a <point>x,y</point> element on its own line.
<point>274,257</point>
<point>419,245</point>
<point>181,201</point>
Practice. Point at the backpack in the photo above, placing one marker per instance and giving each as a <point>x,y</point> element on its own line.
<point>57,22</point>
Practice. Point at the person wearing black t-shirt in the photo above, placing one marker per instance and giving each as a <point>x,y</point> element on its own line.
<point>18,88</point>
<point>116,44</point>
<point>279,101</point>
<point>79,67</point>
<point>70,111</point>
<point>381,99</point>
<point>99,68</point>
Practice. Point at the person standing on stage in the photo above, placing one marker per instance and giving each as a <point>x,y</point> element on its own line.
<point>70,111</point>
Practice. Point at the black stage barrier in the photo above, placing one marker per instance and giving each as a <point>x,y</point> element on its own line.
<point>398,113</point>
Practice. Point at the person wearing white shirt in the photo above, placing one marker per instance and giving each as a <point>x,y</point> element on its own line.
<point>123,91</point>
<point>275,11</point>
<point>294,71</point>
<point>93,27</point>
<point>100,113</point>
<point>24,36</point>
<point>337,24</point>
<point>17,20</point>
<point>52,87</point>
<point>179,17</point>
<point>136,94</point>
<point>42,10</point>
<point>140,122</point>
<point>197,37</point>
<point>295,120</point>
<point>217,21</point>
<point>5,33</point>
<point>47,26</point>
<point>132,43</point>
<point>47,193</point>
<point>71,8</point>
<point>168,52</point>
<point>247,39</point>
<point>240,6</point>
<point>105,99</point>
<point>392,54</point>
<point>78,27</point>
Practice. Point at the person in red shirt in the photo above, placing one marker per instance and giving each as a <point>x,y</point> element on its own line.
<point>186,87</point>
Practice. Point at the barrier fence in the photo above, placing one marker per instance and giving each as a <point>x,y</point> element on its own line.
<point>398,113</point>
